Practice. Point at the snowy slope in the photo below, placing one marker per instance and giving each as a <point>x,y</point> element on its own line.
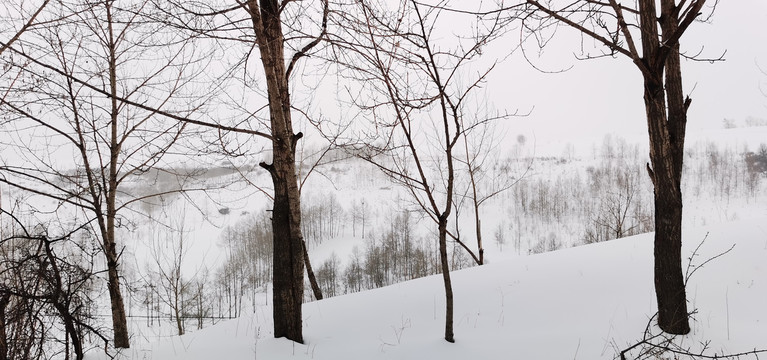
<point>587,302</point>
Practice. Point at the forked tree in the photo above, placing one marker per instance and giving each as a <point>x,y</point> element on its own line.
<point>168,251</point>
<point>485,180</point>
<point>411,89</point>
<point>45,277</point>
<point>288,277</point>
<point>274,27</point>
<point>648,32</point>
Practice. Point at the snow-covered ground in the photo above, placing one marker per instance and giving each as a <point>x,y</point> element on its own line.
<point>582,302</point>
<point>588,302</point>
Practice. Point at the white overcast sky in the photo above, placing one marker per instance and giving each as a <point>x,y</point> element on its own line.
<point>606,94</point>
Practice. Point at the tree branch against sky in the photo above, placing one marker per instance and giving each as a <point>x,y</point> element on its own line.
<point>29,23</point>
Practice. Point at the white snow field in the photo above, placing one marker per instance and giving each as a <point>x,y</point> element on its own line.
<point>587,302</point>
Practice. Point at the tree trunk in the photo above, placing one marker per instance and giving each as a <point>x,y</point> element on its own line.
<point>71,329</point>
<point>119,320</point>
<point>669,281</point>
<point>5,299</point>
<point>449,336</point>
<point>478,227</point>
<point>475,203</point>
<point>666,126</point>
<point>286,216</point>
<point>288,263</point>
<point>666,154</point>
<point>179,323</point>
<point>310,273</point>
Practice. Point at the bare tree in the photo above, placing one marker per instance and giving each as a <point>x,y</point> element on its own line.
<point>168,250</point>
<point>656,32</point>
<point>412,80</point>
<point>200,291</point>
<point>268,21</point>
<point>80,149</point>
<point>288,275</point>
<point>620,211</point>
<point>359,215</point>
<point>45,274</point>
<point>486,177</point>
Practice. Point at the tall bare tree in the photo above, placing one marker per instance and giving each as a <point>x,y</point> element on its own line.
<point>79,148</point>
<point>415,102</point>
<point>268,22</point>
<point>648,32</point>
<point>288,276</point>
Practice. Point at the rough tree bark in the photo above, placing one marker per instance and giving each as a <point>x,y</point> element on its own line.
<point>286,216</point>
<point>666,124</point>
<point>445,265</point>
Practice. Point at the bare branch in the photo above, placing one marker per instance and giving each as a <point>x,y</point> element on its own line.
<point>304,50</point>
<point>134,103</point>
<point>30,23</point>
<point>609,43</point>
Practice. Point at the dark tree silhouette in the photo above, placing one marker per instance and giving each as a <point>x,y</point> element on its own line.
<point>649,36</point>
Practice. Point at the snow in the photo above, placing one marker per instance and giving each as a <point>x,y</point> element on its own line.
<point>586,302</point>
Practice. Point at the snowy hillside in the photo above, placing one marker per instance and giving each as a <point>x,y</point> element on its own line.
<point>150,152</point>
<point>588,302</point>
<point>570,301</point>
